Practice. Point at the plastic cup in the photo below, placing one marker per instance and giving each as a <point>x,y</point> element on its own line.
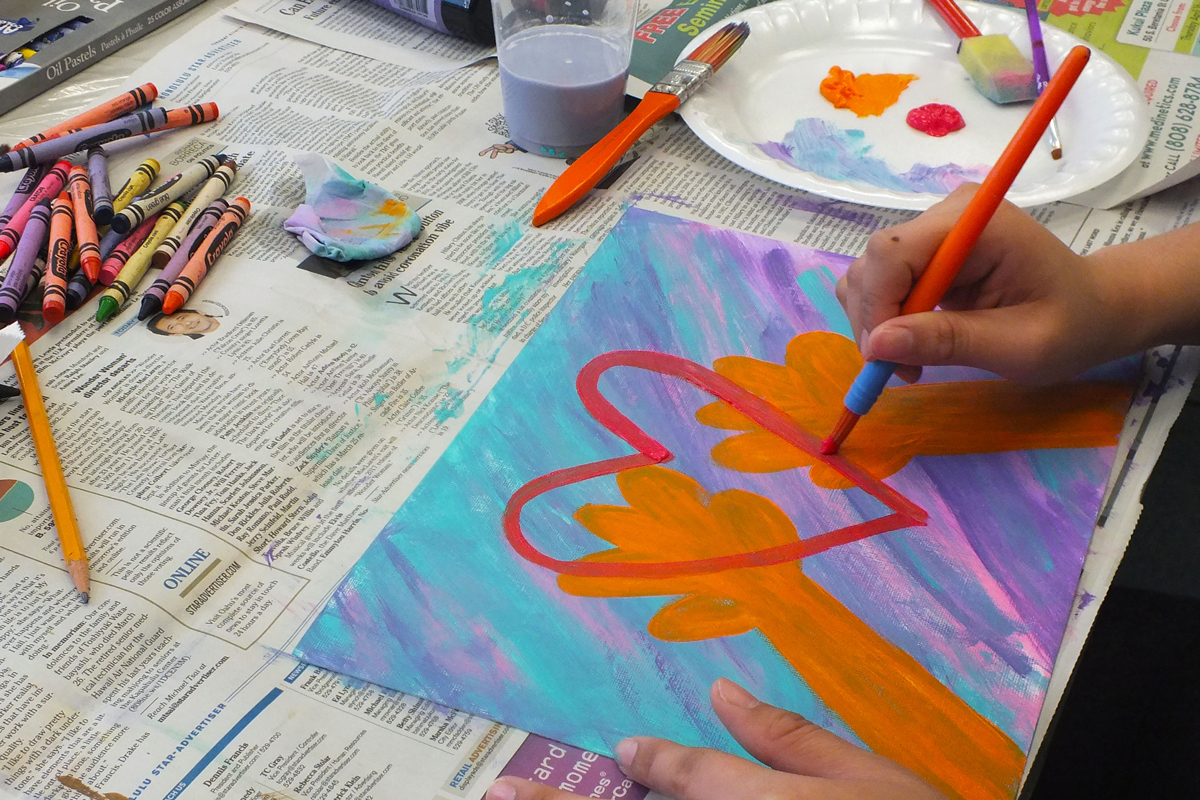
<point>563,65</point>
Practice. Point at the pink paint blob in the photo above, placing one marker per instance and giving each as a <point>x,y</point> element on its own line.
<point>935,119</point>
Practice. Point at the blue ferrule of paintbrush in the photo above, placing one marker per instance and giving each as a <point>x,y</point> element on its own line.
<point>869,385</point>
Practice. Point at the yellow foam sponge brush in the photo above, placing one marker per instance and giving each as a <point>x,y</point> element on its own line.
<point>994,63</point>
<point>998,69</point>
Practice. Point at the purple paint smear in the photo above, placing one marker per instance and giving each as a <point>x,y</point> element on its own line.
<point>818,146</point>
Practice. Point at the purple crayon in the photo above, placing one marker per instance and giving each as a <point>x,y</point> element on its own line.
<point>153,298</point>
<point>30,180</point>
<point>47,189</point>
<point>15,282</point>
<point>102,196</point>
<point>154,119</point>
<point>78,289</point>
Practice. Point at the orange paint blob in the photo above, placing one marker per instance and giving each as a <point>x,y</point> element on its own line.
<point>866,95</point>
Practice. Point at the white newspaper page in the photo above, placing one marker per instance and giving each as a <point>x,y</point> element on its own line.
<point>361,27</point>
<point>229,471</point>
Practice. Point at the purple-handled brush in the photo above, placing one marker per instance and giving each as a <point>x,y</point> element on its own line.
<point>1041,70</point>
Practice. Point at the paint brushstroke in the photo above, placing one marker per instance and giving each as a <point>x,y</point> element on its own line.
<point>441,606</point>
<point>820,147</point>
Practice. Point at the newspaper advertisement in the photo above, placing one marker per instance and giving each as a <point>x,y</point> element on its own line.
<point>227,468</point>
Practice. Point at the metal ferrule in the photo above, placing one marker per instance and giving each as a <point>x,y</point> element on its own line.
<point>684,79</point>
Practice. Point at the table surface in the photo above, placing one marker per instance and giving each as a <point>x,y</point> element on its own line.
<point>1128,726</point>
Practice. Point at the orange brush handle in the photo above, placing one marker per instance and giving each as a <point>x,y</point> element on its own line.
<point>592,166</point>
<point>949,258</point>
<point>956,18</point>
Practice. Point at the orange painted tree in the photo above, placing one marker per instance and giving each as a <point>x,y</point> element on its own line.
<point>886,697</point>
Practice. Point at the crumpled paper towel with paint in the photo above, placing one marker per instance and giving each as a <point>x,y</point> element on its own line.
<point>347,219</point>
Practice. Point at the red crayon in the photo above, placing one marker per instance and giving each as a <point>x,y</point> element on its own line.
<point>48,189</point>
<point>121,253</point>
<point>206,255</point>
<point>62,223</point>
<point>80,188</point>
<point>107,111</point>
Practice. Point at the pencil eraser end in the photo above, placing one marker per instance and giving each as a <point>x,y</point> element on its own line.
<point>999,71</point>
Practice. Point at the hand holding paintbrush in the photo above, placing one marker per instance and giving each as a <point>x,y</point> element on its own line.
<point>950,256</point>
<point>667,95</point>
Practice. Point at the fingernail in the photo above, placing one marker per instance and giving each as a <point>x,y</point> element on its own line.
<point>892,343</point>
<point>502,790</point>
<point>735,695</point>
<point>864,336</point>
<point>626,749</point>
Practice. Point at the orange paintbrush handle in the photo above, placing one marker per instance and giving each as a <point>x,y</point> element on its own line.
<point>956,18</point>
<point>955,248</point>
<point>592,166</point>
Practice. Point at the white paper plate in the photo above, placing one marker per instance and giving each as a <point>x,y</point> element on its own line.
<point>773,82</point>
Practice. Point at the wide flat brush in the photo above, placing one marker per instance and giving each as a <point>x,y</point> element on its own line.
<point>927,292</point>
<point>664,97</point>
<point>993,62</point>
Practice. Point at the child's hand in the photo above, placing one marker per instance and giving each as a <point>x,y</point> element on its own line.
<point>1023,306</point>
<point>804,762</point>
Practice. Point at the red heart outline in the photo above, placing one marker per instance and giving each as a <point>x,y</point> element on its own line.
<point>904,514</point>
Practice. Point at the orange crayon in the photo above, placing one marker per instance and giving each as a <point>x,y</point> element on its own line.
<point>62,224</point>
<point>107,111</point>
<point>80,187</point>
<point>206,255</point>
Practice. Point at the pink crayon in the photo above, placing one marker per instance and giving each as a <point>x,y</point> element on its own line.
<point>47,189</point>
<point>121,253</point>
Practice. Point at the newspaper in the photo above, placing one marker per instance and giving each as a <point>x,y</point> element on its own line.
<point>227,475</point>
<point>363,28</point>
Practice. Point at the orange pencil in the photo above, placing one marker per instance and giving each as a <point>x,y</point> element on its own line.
<point>664,97</point>
<point>12,339</point>
<point>107,111</point>
<point>62,224</point>
<point>955,248</point>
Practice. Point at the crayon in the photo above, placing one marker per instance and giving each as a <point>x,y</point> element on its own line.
<point>115,261</point>
<point>153,299</point>
<point>206,255</point>
<point>15,286</point>
<point>152,121</point>
<point>47,189</point>
<point>29,181</point>
<point>213,188</point>
<point>62,223</point>
<point>88,249</point>
<point>131,274</point>
<point>107,111</point>
<point>97,169</point>
<point>157,199</point>
<point>142,177</point>
<point>78,289</point>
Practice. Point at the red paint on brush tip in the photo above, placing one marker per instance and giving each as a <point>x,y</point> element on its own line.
<point>935,119</point>
<point>829,446</point>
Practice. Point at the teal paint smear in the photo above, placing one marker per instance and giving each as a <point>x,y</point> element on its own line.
<point>818,285</point>
<point>818,146</point>
<point>504,240</point>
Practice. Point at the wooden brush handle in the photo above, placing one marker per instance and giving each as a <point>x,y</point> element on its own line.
<point>588,170</point>
<point>956,18</point>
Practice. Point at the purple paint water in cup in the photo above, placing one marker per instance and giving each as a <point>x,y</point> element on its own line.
<point>563,65</point>
<point>564,88</point>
